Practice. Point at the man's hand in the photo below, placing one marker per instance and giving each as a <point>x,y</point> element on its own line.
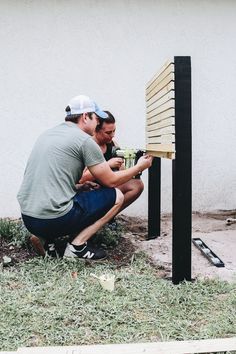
<point>115,162</point>
<point>103,173</point>
<point>87,186</point>
<point>144,162</point>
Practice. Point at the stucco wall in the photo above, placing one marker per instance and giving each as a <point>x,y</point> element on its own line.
<point>54,50</point>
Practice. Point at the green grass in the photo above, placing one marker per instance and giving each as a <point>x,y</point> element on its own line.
<point>43,305</point>
<point>14,232</point>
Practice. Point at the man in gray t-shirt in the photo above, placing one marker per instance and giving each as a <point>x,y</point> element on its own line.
<point>50,204</point>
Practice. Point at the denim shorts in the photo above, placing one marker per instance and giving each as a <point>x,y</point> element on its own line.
<point>88,207</point>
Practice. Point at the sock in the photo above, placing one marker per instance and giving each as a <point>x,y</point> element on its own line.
<point>80,247</point>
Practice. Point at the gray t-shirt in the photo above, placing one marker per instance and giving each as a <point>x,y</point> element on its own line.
<point>54,167</point>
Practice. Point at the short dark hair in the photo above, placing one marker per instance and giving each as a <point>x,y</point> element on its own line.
<point>110,119</point>
<point>74,118</point>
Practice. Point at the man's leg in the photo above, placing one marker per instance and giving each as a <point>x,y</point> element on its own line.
<point>89,231</point>
<point>131,190</point>
<point>90,212</point>
<point>79,247</point>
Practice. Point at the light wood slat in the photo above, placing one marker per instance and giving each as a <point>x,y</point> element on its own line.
<point>161,154</point>
<point>167,88</point>
<point>162,108</point>
<point>169,69</point>
<point>160,147</point>
<point>169,113</point>
<point>169,122</point>
<point>168,80</point>
<point>161,131</point>
<point>169,96</point>
<point>163,139</point>
<point>163,68</point>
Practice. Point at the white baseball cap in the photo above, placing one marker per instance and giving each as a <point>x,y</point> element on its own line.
<point>84,104</point>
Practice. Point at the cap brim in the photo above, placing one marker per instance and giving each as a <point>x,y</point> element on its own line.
<point>101,114</point>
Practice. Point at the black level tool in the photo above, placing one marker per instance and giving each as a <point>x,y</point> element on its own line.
<point>208,253</point>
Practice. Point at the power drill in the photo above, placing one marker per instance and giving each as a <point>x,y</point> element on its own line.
<point>130,156</point>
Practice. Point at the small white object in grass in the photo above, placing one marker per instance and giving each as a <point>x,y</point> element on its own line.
<point>107,281</point>
<point>6,260</point>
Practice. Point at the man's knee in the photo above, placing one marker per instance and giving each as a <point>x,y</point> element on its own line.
<point>138,186</point>
<point>119,197</point>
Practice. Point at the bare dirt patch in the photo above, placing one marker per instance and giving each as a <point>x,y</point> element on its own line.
<point>210,227</point>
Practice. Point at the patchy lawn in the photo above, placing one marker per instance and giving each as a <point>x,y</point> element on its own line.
<point>46,302</point>
<point>56,302</point>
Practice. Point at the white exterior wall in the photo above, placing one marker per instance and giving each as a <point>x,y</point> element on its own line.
<point>54,50</point>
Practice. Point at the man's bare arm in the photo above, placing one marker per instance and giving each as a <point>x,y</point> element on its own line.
<point>103,173</point>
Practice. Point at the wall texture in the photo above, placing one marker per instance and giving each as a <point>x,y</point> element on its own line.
<point>53,50</point>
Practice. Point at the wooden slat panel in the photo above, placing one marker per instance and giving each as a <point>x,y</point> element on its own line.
<point>167,88</point>
<point>169,113</point>
<point>161,131</point>
<point>162,124</point>
<point>162,108</point>
<point>168,80</point>
<point>159,78</point>
<point>158,102</point>
<point>160,113</point>
<point>163,139</point>
<point>161,147</point>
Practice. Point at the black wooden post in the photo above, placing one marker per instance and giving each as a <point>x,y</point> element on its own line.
<point>154,199</point>
<point>182,173</point>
